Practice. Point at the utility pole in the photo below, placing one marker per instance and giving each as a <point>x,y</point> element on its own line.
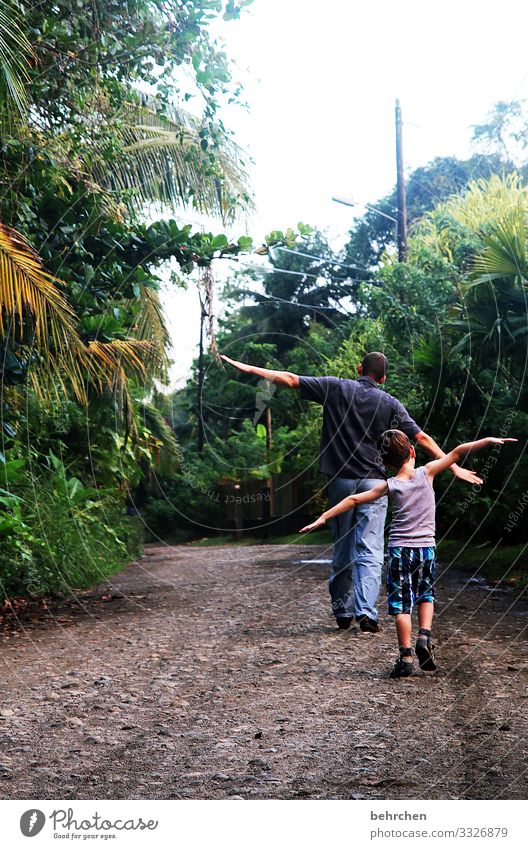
<point>400,189</point>
<point>267,504</point>
<point>200,383</point>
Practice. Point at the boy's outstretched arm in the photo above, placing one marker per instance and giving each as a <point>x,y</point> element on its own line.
<point>347,504</point>
<point>460,451</point>
<point>428,444</point>
<point>283,378</point>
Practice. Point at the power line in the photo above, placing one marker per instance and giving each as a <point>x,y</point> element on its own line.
<point>324,259</point>
<point>297,274</point>
<point>265,298</point>
<point>283,271</point>
<point>262,298</point>
<point>289,271</point>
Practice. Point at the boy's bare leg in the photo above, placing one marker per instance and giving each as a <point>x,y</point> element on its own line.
<point>404,663</point>
<point>404,629</point>
<point>425,614</point>
<point>424,647</point>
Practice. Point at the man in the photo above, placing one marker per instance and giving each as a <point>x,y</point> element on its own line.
<point>355,414</point>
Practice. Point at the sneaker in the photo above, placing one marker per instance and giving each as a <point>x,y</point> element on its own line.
<point>425,651</point>
<point>343,622</point>
<point>370,626</point>
<point>403,668</point>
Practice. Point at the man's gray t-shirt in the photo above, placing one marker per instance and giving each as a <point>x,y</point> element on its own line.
<point>355,414</point>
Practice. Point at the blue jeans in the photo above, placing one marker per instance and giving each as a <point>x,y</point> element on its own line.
<point>358,550</point>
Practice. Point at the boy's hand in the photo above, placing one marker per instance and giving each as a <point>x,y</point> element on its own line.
<point>448,461</point>
<point>240,366</point>
<point>317,524</point>
<point>495,440</point>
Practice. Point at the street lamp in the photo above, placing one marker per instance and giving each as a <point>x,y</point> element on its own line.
<point>350,202</point>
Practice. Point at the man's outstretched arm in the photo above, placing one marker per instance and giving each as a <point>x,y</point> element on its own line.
<point>428,444</point>
<point>283,378</point>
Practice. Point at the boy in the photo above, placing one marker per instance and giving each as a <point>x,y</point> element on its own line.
<point>411,550</point>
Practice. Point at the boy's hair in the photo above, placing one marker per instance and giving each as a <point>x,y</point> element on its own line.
<point>375,365</point>
<point>394,448</point>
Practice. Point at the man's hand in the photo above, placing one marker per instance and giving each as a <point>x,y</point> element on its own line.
<point>465,474</point>
<point>240,366</point>
<point>282,378</point>
<point>317,524</point>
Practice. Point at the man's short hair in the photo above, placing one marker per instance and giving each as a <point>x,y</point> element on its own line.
<point>375,365</point>
<point>394,448</point>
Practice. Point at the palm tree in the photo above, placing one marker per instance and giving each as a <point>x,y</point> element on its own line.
<point>160,159</point>
<point>37,320</point>
<point>495,299</point>
<point>35,317</point>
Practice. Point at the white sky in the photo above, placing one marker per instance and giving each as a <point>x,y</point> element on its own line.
<point>321,80</point>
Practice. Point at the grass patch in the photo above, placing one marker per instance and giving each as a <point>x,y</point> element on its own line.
<point>315,538</point>
<point>506,563</point>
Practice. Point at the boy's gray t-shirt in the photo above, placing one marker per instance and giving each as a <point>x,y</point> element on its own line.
<point>413,511</point>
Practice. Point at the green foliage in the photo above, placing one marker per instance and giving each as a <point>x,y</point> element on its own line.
<point>58,535</point>
<point>298,322</point>
<point>471,365</point>
<point>428,186</point>
<point>15,51</point>
<point>452,321</point>
<point>81,165</point>
<point>503,133</point>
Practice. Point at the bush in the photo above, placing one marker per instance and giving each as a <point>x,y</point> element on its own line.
<point>56,535</point>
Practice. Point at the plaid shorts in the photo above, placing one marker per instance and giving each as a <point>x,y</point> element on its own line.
<point>410,578</point>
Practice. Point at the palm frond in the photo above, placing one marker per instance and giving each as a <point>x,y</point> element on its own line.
<point>483,204</point>
<point>27,288</point>
<point>162,443</point>
<point>14,51</point>
<point>35,315</point>
<point>504,254</point>
<point>110,361</point>
<point>111,365</point>
<point>162,161</point>
<point>487,200</point>
<point>150,325</point>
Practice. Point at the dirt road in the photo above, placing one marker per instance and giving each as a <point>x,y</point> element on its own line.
<point>218,672</point>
